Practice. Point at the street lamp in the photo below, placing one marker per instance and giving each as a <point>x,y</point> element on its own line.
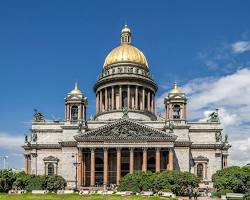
<point>76,163</point>
<point>5,161</point>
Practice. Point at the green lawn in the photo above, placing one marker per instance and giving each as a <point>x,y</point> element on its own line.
<point>73,197</point>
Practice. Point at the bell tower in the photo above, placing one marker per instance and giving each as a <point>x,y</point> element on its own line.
<point>176,104</point>
<point>75,105</point>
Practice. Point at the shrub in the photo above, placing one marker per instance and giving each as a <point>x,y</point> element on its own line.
<point>21,181</point>
<point>36,183</point>
<point>54,183</point>
<point>235,179</point>
<point>223,192</point>
<point>174,181</point>
<point>246,196</point>
<point>10,179</point>
<point>7,178</point>
<point>129,183</point>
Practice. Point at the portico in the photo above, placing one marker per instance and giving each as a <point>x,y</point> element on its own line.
<point>113,151</point>
<point>105,163</point>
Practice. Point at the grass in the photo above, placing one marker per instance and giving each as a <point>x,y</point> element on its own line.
<point>73,197</point>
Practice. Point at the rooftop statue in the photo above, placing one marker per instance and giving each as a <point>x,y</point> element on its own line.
<point>214,117</point>
<point>169,126</point>
<point>125,112</point>
<point>38,116</point>
<point>226,139</point>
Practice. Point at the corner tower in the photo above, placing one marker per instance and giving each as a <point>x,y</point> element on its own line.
<point>176,104</point>
<point>75,105</point>
<point>125,82</point>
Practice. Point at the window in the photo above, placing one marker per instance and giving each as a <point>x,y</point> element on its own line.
<point>74,113</point>
<point>200,171</point>
<point>176,111</point>
<point>51,169</point>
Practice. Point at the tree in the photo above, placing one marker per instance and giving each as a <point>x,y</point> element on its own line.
<point>174,181</point>
<point>7,177</point>
<point>54,183</point>
<point>235,179</point>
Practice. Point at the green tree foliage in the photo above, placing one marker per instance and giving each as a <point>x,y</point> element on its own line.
<point>7,177</point>
<point>246,196</point>
<point>10,179</point>
<point>55,183</point>
<point>36,183</point>
<point>235,179</point>
<point>174,181</point>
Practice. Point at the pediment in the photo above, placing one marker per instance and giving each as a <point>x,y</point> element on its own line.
<point>125,129</point>
<point>51,158</point>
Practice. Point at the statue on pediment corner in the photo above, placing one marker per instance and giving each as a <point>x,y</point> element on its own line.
<point>214,117</point>
<point>38,116</point>
<point>125,112</point>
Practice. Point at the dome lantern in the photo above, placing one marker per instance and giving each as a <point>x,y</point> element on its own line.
<point>125,35</point>
<point>126,53</point>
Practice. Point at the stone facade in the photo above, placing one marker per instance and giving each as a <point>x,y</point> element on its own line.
<point>125,135</point>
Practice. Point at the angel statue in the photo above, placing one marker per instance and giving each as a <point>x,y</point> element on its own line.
<point>38,116</point>
<point>125,112</point>
<point>214,116</point>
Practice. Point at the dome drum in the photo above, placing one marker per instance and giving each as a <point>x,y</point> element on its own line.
<point>125,82</point>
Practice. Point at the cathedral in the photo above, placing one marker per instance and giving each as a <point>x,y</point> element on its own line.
<point>125,135</point>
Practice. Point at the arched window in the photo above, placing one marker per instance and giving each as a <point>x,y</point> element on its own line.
<point>74,113</point>
<point>176,111</point>
<point>200,171</point>
<point>50,169</point>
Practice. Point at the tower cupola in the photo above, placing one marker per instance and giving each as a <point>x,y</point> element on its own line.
<point>176,104</point>
<point>75,105</point>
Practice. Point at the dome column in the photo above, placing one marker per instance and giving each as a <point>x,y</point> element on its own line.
<point>120,97</point>
<point>152,103</point>
<point>128,98</point>
<point>112,98</point>
<point>106,100</point>
<point>97,102</point>
<point>143,98</point>
<point>149,100</point>
<point>136,97</point>
<point>100,100</point>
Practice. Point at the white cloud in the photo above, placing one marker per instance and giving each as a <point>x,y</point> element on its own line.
<point>10,141</point>
<point>231,95</point>
<point>241,46</point>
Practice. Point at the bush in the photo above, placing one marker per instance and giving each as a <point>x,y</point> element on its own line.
<point>7,178</point>
<point>223,192</point>
<point>235,179</point>
<point>21,181</point>
<point>36,183</point>
<point>174,181</point>
<point>10,179</point>
<point>246,196</point>
<point>129,183</point>
<point>55,183</point>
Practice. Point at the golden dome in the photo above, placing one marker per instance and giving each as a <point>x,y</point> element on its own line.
<point>126,29</point>
<point>176,89</point>
<point>126,52</point>
<point>76,90</point>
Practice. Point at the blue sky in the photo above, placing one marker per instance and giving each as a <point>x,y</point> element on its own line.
<point>45,46</point>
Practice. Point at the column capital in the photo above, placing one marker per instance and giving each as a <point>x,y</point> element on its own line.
<point>92,149</point>
<point>105,148</point>
<point>131,148</point>
<point>118,148</point>
<point>144,148</point>
<point>157,148</point>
